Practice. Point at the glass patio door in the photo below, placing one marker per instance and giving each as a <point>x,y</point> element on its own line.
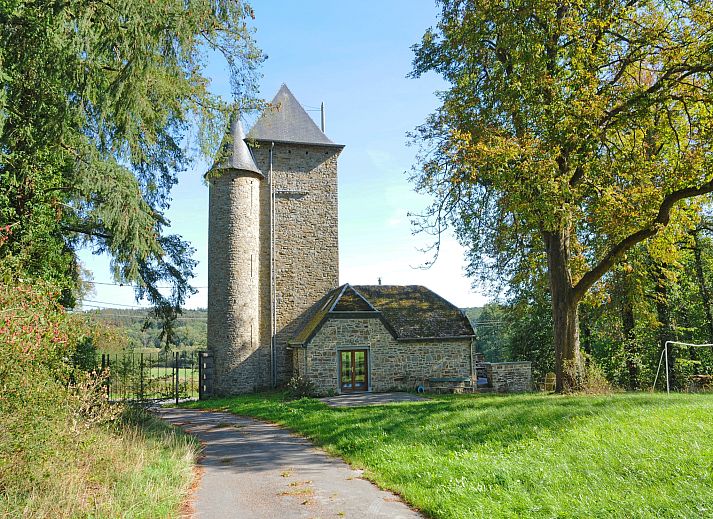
<point>353,370</point>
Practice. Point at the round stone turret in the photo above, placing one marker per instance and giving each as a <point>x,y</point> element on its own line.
<point>233,269</point>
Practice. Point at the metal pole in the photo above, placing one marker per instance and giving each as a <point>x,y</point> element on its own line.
<point>658,369</point>
<point>141,376</point>
<point>273,289</point>
<point>323,117</point>
<point>665,347</point>
<point>177,379</point>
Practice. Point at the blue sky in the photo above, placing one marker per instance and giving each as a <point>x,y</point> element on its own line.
<point>354,57</point>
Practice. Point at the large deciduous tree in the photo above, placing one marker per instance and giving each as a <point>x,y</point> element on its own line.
<point>98,102</point>
<point>571,131</point>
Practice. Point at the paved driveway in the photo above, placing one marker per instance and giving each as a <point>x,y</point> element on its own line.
<point>253,469</point>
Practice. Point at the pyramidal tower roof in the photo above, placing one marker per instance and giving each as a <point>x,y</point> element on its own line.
<point>235,154</point>
<point>288,122</point>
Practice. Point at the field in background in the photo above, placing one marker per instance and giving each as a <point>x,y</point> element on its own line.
<point>615,456</point>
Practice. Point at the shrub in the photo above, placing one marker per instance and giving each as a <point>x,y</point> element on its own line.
<point>300,387</point>
<point>65,451</point>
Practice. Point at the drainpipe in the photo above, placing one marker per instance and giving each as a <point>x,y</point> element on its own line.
<point>273,291</point>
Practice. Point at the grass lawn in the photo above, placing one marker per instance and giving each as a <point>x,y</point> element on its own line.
<point>623,455</point>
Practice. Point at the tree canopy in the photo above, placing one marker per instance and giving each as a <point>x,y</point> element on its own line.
<point>571,132</point>
<point>101,105</point>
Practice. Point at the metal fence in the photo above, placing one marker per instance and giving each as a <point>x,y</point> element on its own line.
<point>141,377</point>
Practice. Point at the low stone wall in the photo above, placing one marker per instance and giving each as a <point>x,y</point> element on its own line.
<point>510,377</point>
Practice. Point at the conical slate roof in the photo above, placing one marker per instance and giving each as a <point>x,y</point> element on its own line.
<point>288,122</point>
<point>235,154</point>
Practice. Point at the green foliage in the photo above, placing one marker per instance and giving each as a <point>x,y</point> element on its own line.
<point>462,456</point>
<point>140,331</point>
<point>570,132</point>
<point>64,450</point>
<point>98,106</point>
<point>299,387</point>
<point>624,322</point>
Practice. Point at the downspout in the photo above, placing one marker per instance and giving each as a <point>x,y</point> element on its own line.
<point>273,291</point>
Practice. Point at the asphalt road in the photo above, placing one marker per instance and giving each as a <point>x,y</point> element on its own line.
<point>253,469</point>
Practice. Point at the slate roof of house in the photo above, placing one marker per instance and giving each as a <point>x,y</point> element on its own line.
<point>234,153</point>
<point>409,312</point>
<point>288,122</point>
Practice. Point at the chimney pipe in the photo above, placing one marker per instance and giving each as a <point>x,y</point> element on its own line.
<point>322,110</point>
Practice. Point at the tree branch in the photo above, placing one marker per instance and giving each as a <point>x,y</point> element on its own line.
<point>661,221</point>
<point>88,232</point>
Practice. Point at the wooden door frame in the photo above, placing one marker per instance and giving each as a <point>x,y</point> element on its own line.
<point>367,368</point>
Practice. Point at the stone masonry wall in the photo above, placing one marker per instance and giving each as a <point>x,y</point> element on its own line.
<point>241,361</point>
<point>306,238</point>
<point>510,376</point>
<point>393,365</point>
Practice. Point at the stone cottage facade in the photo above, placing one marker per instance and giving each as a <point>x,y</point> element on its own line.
<point>382,338</point>
<point>274,305</point>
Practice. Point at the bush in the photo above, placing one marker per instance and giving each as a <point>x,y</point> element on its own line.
<point>65,451</point>
<point>300,387</point>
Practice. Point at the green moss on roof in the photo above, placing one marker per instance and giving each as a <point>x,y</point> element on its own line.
<point>409,312</point>
<point>416,312</point>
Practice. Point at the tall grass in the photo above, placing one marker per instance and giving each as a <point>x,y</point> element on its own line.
<point>64,450</point>
<point>138,467</point>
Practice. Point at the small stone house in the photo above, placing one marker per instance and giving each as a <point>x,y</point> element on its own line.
<point>381,338</point>
<point>275,307</point>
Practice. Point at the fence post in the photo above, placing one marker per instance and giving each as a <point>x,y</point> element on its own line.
<point>177,377</point>
<point>104,374</point>
<point>141,376</point>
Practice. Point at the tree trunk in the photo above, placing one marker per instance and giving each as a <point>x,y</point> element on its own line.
<point>568,360</point>
<point>630,346</point>
<point>702,286</point>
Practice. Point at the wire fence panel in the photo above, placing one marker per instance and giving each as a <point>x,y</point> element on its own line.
<point>141,377</point>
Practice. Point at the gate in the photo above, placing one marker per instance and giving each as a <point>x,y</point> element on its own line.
<point>143,377</point>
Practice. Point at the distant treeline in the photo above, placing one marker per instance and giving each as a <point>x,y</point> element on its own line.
<point>138,330</point>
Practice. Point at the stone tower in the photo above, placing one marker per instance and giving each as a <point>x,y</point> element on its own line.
<point>273,231</point>
<point>241,361</point>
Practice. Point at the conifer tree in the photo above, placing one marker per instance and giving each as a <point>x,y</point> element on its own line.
<point>97,109</point>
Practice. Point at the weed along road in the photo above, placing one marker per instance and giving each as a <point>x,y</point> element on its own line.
<point>255,470</point>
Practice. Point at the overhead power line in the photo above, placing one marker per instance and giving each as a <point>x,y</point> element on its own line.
<point>116,304</point>
<point>122,316</point>
<point>127,285</point>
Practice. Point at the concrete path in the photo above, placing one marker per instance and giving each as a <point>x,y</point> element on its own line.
<point>359,399</point>
<point>255,470</point>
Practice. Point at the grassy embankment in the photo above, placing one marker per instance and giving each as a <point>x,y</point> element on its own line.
<point>623,455</point>
<point>64,450</point>
<point>137,467</point>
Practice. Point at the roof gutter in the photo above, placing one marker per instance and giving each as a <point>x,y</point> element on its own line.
<point>443,337</point>
<point>323,144</point>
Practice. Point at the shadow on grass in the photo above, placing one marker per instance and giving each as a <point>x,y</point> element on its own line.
<point>445,422</point>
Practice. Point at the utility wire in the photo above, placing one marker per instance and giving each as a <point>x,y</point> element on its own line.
<point>120,316</point>
<point>128,285</point>
<point>116,304</point>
